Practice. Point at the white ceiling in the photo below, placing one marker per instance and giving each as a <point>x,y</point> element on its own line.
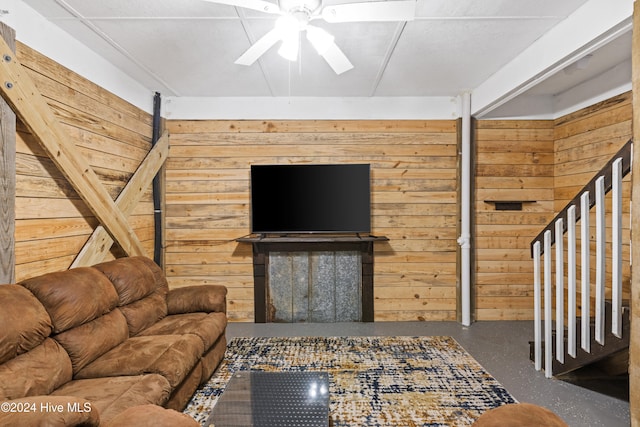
<point>187,48</point>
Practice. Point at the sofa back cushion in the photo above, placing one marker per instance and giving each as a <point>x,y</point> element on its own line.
<point>142,290</point>
<point>145,312</point>
<point>133,278</point>
<point>85,343</point>
<point>36,372</point>
<point>24,322</point>
<point>73,297</point>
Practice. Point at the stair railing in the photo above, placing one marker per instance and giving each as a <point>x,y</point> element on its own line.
<point>608,179</point>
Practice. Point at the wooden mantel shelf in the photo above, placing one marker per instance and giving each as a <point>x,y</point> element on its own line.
<point>311,238</point>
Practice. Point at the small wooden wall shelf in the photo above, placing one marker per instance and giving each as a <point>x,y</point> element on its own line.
<point>264,244</point>
<point>508,205</point>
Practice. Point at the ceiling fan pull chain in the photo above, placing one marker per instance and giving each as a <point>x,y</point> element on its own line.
<point>299,56</point>
<point>289,79</point>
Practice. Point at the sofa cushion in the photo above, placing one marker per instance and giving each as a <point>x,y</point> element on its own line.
<point>142,290</point>
<point>132,278</point>
<point>24,322</point>
<point>208,326</point>
<point>73,297</point>
<point>113,395</point>
<point>158,273</point>
<point>145,312</point>
<point>212,358</point>
<point>172,356</point>
<point>38,371</point>
<point>85,343</point>
<point>189,299</point>
<point>182,394</point>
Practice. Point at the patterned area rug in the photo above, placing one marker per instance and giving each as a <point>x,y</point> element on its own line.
<point>374,381</point>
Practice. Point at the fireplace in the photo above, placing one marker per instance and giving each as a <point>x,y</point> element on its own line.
<point>313,278</point>
<point>314,286</point>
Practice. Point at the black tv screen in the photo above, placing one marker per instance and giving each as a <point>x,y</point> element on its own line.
<point>310,198</point>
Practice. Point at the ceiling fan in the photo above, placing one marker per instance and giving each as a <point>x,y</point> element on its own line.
<point>295,16</point>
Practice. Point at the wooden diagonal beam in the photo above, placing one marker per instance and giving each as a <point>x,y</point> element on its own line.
<point>98,245</point>
<point>22,95</point>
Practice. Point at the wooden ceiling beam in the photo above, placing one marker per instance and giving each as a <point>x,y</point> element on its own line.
<point>99,244</point>
<point>21,93</point>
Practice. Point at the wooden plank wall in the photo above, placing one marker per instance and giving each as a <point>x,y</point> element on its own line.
<point>514,162</point>
<point>547,162</point>
<point>414,200</point>
<point>584,142</point>
<point>52,222</point>
<point>414,169</point>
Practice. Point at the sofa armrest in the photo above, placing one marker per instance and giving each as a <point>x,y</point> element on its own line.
<point>190,299</point>
<point>50,411</point>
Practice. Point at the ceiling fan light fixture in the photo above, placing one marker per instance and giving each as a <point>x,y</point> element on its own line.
<point>320,39</point>
<point>289,48</point>
<point>288,28</point>
<point>287,24</point>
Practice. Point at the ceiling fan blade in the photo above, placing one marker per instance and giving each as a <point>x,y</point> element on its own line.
<point>259,48</point>
<point>402,10</point>
<point>337,59</point>
<point>259,5</point>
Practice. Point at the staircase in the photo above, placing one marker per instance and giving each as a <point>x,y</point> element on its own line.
<point>570,333</point>
<point>598,352</point>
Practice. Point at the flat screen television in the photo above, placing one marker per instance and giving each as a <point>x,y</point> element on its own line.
<point>310,198</point>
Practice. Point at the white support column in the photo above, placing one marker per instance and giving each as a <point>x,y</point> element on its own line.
<point>585,273</point>
<point>616,249</point>
<point>465,206</point>
<point>571,281</point>
<point>548,308</point>
<point>559,291</point>
<point>537,314</point>
<point>601,240</point>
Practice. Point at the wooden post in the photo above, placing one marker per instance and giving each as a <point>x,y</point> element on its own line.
<point>7,178</point>
<point>634,344</point>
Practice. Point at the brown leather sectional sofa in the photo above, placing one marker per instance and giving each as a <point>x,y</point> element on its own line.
<point>81,347</point>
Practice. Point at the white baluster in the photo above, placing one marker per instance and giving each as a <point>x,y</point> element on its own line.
<point>571,281</point>
<point>559,291</point>
<point>537,329</point>
<point>616,249</point>
<point>548,343</point>
<point>585,273</point>
<point>601,240</point>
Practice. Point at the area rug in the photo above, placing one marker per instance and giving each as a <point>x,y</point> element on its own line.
<point>374,381</point>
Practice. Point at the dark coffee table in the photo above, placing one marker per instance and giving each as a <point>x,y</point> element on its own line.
<point>269,399</point>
